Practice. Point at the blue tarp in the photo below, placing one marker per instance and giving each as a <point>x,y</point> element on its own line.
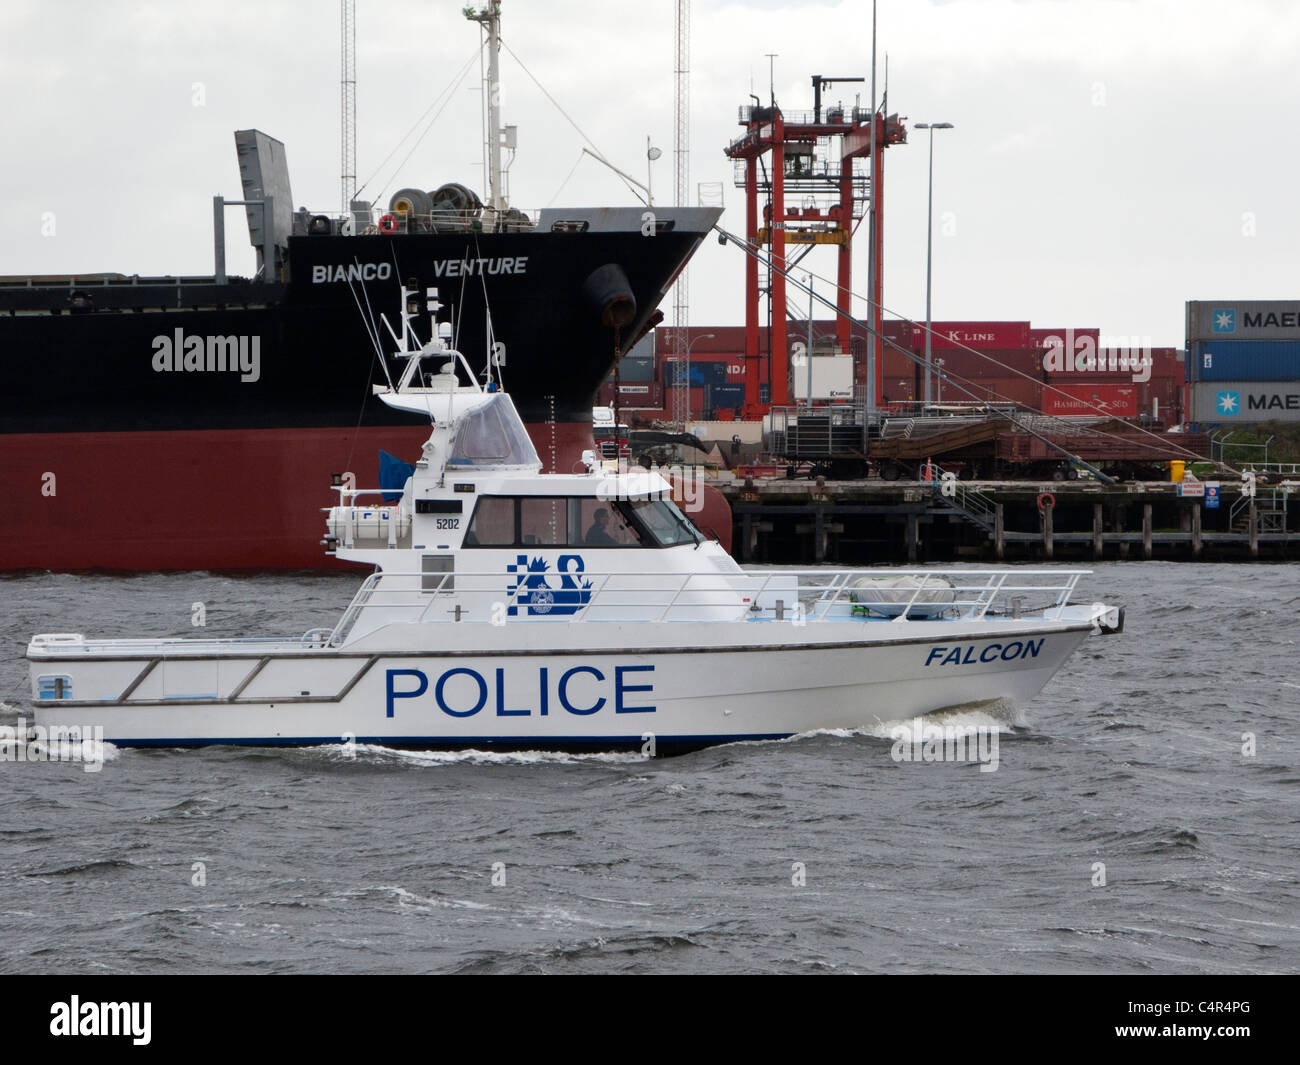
<point>393,474</point>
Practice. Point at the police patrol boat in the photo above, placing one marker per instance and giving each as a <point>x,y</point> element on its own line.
<point>512,609</point>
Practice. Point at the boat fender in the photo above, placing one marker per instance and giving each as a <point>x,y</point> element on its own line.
<point>610,294</point>
<point>388,223</point>
<point>1045,500</point>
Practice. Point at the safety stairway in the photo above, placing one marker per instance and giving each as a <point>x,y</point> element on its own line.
<point>970,504</point>
<point>1270,513</point>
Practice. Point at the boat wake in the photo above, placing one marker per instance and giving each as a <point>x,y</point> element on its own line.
<point>989,715</point>
<point>378,754</point>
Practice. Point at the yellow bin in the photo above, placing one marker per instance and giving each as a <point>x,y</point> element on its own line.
<point>1176,469</point>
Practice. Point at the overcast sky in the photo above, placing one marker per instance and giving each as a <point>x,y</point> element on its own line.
<point>1111,158</point>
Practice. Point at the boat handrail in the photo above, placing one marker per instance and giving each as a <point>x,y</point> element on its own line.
<point>807,595</point>
<point>313,638</point>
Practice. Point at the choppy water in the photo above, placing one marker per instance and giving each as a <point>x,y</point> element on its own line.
<point>388,862</point>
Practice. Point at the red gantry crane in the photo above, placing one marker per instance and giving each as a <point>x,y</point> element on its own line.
<point>817,186</point>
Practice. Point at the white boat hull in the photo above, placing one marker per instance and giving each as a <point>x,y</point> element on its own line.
<point>712,684</point>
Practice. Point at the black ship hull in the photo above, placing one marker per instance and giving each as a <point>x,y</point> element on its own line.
<point>135,407</point>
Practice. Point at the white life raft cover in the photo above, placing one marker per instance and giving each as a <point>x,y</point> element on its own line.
<point>931,590</point>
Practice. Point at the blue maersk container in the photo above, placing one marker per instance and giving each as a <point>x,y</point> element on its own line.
<point>703,374</point>
<point>728,397</point>
<point>1245,360</point>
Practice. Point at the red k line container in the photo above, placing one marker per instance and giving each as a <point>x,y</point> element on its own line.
<point>1004,335</point>
<point>1091,400</point>
<point>1041,338</point>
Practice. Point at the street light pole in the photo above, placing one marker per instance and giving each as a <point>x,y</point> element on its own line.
<point>810,343</point>
<point>929,248</point>
<point>686,381</point>
<point>651,154</point>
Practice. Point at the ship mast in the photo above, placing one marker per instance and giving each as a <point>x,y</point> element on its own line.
<point>348,100</point>
<point>489,17</point>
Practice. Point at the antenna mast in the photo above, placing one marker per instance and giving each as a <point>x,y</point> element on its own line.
<point>489,17</point>
<point>348,98</point>
<point>681,409</point>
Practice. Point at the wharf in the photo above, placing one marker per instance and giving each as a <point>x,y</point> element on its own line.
<point>786,521</point>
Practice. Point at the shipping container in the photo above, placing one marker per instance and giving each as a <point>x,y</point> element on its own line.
<point>1004,335</point>
<point>723,338</point>
<point>1246,360</point>
<point>719,357</point>
<point>1162,398</point>
<point>643,348</point>
<point>699,402</point>
<point>702,373</point>
<point>899,390</point>
<point>632,396</point>
<point>1167,362</point>
<point>992,362</point>
<point>636,370</point>
<point>1243,320</point>
<point>1043,338</point>
<point>733,363</point>
<point>1067,379</point>
<point>1121,362</point>
<point>899,380</point>
<point>1002,391</point>
<point>1244,402</point>
<point>728,397</point>
<point>1091,400</point>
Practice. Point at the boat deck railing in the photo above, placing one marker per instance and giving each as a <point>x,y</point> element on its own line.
<point>65,644</point>
<point>800,596</point>
<point>805,596</point>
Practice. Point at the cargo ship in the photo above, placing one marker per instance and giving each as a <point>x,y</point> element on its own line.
<point>196,422</point>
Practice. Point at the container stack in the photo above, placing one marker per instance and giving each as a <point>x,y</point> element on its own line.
<point>1243,361</point>
<point>1066,372</point>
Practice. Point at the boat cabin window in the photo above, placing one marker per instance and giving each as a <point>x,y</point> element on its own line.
<point>577,521</point>
<point>603,523</point>
<point>664,522</point>
<point>493,524</point>
<point>544,521</point>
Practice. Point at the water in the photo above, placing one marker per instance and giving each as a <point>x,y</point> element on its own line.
<point>314,861</point>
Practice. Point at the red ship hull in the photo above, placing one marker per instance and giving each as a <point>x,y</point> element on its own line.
<point>213,499</point>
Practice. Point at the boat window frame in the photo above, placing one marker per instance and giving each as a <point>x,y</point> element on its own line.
<point>625,508</point>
